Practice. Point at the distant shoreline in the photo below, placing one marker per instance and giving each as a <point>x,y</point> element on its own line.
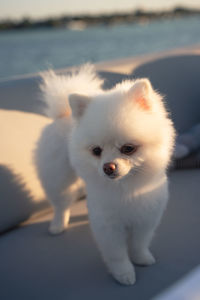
<point>80,22</point>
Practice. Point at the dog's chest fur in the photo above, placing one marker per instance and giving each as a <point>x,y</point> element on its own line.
<point>127,203</point>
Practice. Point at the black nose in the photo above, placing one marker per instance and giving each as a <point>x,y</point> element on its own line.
<point>109,168</point>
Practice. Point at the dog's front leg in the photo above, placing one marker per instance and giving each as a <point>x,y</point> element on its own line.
<point>112,243</point>
<point>141,237</point>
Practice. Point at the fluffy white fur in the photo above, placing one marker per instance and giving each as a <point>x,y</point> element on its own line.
<point>127,201</point>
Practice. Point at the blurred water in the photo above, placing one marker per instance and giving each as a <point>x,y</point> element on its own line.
<point>30,51</point>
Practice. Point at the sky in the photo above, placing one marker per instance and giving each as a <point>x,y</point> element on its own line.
<point>16,9</point>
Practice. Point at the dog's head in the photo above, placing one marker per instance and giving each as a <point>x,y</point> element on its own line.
<point>122,132</point>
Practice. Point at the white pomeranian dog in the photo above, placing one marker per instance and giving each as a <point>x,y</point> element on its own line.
<point>116,143</point>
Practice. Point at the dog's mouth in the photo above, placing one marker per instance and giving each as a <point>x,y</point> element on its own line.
<point>118,176</point>
<point>113,176</point>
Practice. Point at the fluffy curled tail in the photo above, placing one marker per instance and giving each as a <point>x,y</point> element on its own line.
<point>55,89</point>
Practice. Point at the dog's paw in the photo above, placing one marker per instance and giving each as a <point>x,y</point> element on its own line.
<point>56,228</point>
<point>123,272</point>
<point>126,278</point>
<point>59,222</point>
<point>143,258</point>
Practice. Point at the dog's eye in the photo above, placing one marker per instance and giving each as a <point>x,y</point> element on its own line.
<point>128,149</point>
<point>96,151</point>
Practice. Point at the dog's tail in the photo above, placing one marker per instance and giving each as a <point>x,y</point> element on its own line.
<point>55,89</point>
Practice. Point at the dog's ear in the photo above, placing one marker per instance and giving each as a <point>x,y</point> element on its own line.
<point>140,93</point>
<point>78,104</point>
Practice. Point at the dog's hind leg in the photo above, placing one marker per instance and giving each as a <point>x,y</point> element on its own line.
<point>61,201</point>
<point>59,180</point>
